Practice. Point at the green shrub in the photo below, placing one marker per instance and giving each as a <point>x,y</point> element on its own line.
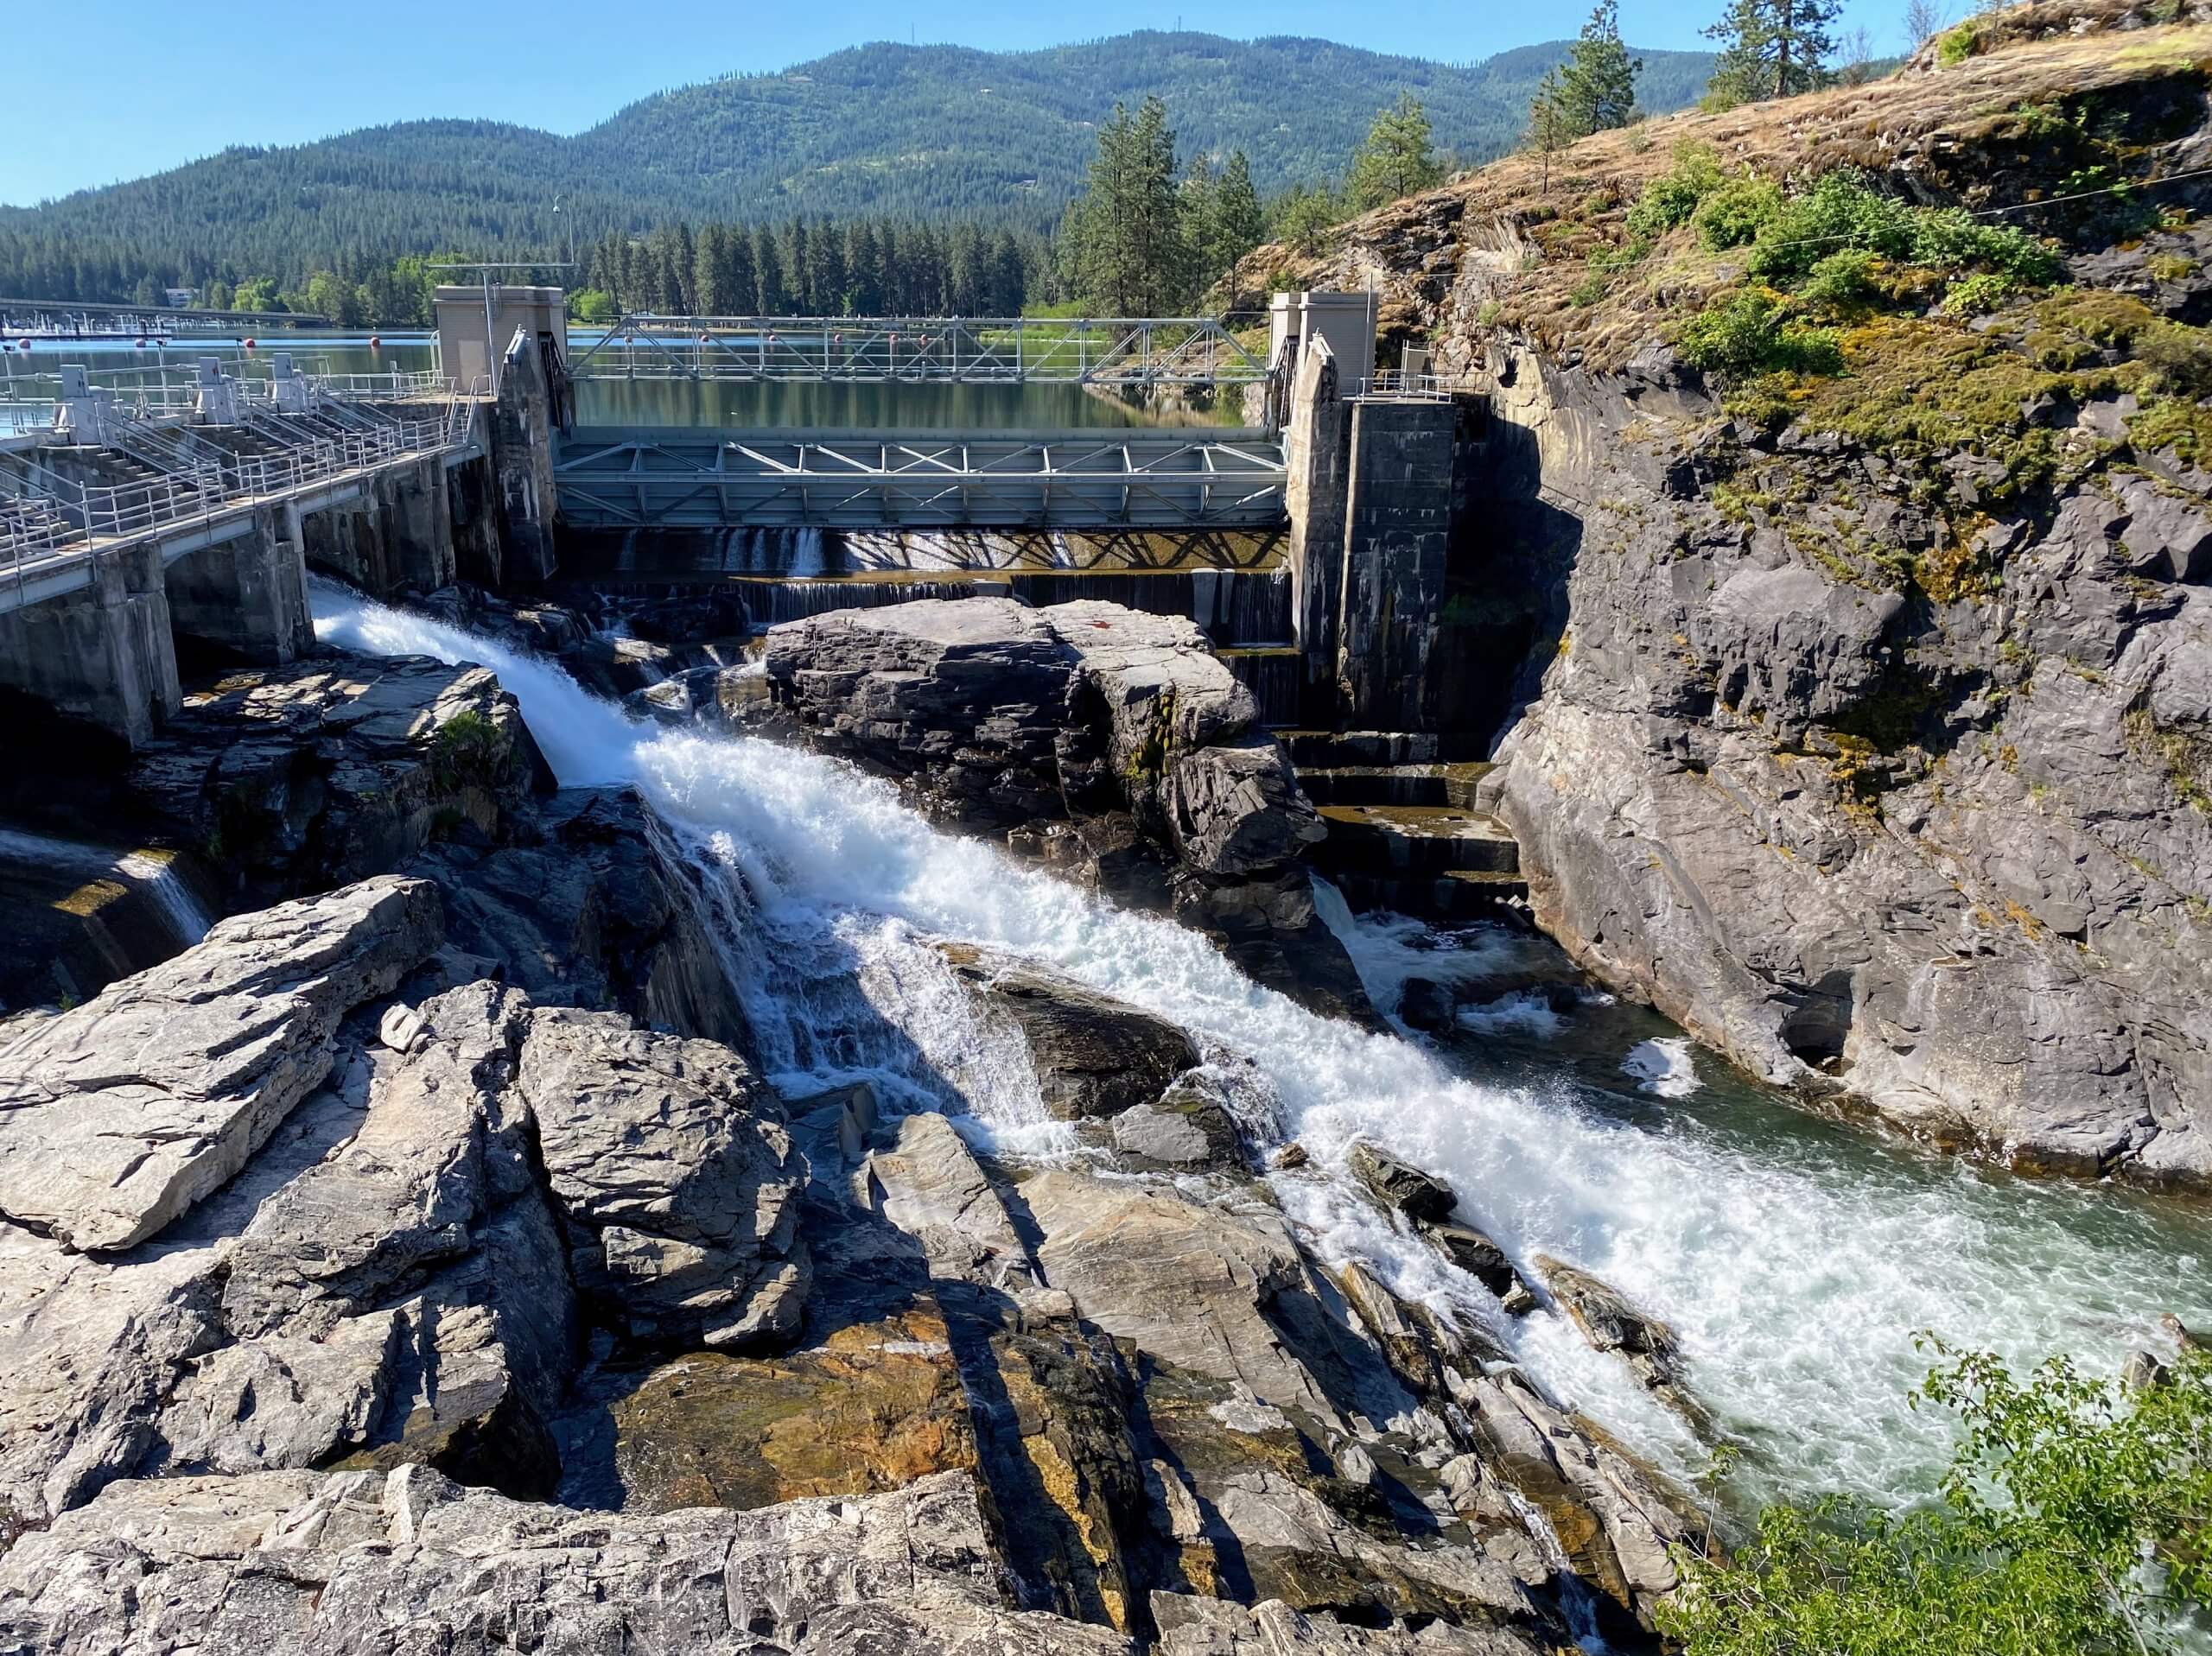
<point>1977,295</point>
<point>1589,291</point>
<point>2072,1522</point>
<point>1840,212</point>
<point>1842,280</point>
<point>1733,215</point>
<point>2180,360</point>
<point>1747,332</point>
<point>1959,45</point>
<point>1951,239</point>
<point>1668,200</point>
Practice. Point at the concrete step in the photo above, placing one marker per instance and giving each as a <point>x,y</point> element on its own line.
<point>1462,894</point>
<point>1394,784</point>
<point>1338,748</point>
<point>1414,840</point>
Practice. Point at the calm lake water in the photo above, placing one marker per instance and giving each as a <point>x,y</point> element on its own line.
<point>643,401</point>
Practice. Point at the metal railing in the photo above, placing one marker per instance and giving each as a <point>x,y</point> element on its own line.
<point>1395,383</point>
<point>1142,350</point>
<point>194,478</point>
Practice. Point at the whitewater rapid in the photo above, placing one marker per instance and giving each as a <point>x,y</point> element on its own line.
<point>1795,1277</point>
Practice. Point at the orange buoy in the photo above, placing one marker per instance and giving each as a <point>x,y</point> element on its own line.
<point>375,344</point>
<point>249,345</point>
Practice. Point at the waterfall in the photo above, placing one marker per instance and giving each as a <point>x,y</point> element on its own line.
<point>155,873</point>
<point>150,874</point>
<point>1796,1262</point>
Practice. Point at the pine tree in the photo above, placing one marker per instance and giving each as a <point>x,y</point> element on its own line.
<point>1550,127</point>
<point>1597,86</point>
<point>1238,222</point>
<point>739,282</point>
<point>1772,48</point>
<point>710,255</point>
<point>1396,159</point>
<point>767,274</point>
<point>1125,236</point>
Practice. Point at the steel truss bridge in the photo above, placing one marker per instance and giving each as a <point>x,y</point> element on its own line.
<point>1189,351</point>
<point>1134,479</point>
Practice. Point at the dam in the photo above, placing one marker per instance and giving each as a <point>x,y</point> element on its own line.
<point>1325,545</point>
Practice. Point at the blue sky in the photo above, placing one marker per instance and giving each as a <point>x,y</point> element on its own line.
<point>120,88</point>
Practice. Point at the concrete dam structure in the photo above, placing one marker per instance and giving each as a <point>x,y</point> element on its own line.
<point>1326,548</point>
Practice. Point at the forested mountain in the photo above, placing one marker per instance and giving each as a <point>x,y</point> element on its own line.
<point>918,133</point>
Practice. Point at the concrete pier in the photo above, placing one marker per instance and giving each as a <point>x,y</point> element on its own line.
<point>248,596</point>
<point>103,653</point>
<point>1378,487</point>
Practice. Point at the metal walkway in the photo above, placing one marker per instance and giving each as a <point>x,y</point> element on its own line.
<point>147,467</point>
<point>1136,478</point>
<point>1190,351</point>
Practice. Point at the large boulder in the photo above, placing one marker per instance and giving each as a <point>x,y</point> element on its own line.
<point>1095,1056</point>
<point>296,778</point>
<point>1079,710</point>
<point>1229,1295</point>
<point>670,1160</point>
<point>119,1115</point>
<point>592,912</point>
<point>1396,1183</point>
<point>974,693</point>
<point>928,1186</point>
<point>432,1208</point>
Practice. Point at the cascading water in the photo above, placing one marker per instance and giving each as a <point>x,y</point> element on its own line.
<point>1794,1261</point>
<point>150,872</point>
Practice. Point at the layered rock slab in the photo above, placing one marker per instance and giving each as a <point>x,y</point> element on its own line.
<point>118,1115</point>
<point>362,1564</point>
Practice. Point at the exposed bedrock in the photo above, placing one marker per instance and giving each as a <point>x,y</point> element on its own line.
<point>1106,741</point>
<point>322,1273</point>
<point>1946,858</point>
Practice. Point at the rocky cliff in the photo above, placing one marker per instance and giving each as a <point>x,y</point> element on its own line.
<point>1850,459</point>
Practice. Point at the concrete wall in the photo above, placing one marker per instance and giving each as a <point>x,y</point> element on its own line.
<point>1379,490</point>
<point>401,535</point>
<point>247,596</point>
<point>473,510</point>
<point>522,460</point>
<point>103,654</point>
<point>1317,444</point>
<point>467,349</point>
<point>1397,543</point>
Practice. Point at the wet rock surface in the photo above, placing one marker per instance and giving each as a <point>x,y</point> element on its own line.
<point>1109,742</point>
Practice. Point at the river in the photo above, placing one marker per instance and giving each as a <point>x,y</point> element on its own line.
<point>1797,1259</point>
<point>641,401</point>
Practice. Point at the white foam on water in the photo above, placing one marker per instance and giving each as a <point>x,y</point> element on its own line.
<point>1796,1274</point>
<point>1663,1066</point>
<point>1527,1012</point>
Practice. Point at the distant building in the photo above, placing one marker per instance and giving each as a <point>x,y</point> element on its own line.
<point>180,298</point>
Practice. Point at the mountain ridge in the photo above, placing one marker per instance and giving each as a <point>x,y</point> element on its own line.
<point>933,132</point>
